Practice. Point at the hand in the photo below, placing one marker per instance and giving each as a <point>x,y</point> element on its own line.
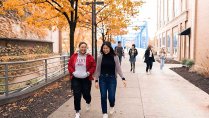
<point>88,73</point>
<point>96,85</point>
<point>124,83</point>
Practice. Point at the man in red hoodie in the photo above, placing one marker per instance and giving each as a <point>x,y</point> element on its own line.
<point>81,67</point>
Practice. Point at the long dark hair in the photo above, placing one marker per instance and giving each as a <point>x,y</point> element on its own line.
<point>108,44</point>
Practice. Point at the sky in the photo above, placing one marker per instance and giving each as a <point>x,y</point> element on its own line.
<point>148,12</point>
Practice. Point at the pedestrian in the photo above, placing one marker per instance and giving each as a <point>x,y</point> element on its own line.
<point>108,66</point>
<point>149,59</point>
<point>81,67</point>
<point>119,51</point>
<point>162,57</point>
<point>133,53</point>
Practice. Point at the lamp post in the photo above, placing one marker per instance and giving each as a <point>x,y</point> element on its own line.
<point>94,26</point>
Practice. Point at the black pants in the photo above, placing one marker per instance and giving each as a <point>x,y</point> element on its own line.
<point>149,65</point>
<point>81,87</point>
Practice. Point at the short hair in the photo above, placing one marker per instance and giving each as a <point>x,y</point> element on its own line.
<point>134,45</point>
<point>119,41</point>
<point>81,43</point>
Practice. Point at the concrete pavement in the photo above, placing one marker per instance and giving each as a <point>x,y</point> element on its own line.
<point>163,94</point>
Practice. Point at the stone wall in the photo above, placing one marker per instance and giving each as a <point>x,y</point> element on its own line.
<point>18,47</point>
<point>13,28</point>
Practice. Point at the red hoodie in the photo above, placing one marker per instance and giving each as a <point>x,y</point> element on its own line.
<point>90,65</point>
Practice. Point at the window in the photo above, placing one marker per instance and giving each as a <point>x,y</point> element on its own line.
<point>177,7</point>
<point>168,44</point>
<point>161,10</point>
<point>165,11</point>
<point>170,10</point>
<point>175,44</point>
<point>184,2</point>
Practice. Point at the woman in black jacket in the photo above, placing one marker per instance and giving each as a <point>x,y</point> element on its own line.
<point>149,58</point>
<point>133,53</point>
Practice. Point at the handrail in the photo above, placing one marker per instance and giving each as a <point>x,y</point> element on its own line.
<point>44,72</point>
<point>18,62</point>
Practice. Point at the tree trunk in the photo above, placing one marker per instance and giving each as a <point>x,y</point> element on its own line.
<point>72,34</point>
<point>103,37</point>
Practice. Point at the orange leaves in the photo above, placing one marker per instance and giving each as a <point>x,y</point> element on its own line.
<point>40,13</point>
<point>117,15</point>
<point>114,14</point>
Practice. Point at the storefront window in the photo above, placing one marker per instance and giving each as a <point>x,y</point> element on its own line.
<point>168,44</point>
<point>175,44</point>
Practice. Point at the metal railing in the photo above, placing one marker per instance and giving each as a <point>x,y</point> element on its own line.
<point>19,76</point>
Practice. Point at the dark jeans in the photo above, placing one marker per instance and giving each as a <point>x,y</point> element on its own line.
<point>107,84</point>
<point>149,64</point>
<point>133,65</point>
<point>120,58</point>
<point>81,87</point>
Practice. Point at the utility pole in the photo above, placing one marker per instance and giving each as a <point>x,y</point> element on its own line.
<point>94,26</point>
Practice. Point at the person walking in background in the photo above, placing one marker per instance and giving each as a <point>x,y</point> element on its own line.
<point>133,53</point>
<point>162,57</point>
<point>81,67</point>
<point>149,59</point>
<point>108,66</point>
<point>119,51</point>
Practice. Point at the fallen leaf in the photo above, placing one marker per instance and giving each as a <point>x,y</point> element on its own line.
<point>23,108</point>
<point>31,100</point>
<point>5,114</point>
<point>45,109</point>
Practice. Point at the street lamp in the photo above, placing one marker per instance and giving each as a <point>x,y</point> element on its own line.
<point>94,26</point>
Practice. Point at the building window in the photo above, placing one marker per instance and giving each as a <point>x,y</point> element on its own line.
<point>170,10</point>
<point>168,44</point>
<point>161,12</point>
<point>184,2</point>
<point>175,44</point>
<point>163,44</point>
<point>165,11</point>
<point>177,7</point>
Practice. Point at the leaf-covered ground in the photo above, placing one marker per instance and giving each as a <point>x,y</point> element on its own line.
<point>41,104</point>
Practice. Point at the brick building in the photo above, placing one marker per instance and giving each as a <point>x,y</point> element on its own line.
<point>182,26</point>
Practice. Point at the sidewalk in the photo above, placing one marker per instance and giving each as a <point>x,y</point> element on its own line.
<point>163,94</point>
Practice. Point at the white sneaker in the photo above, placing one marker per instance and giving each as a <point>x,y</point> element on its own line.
<point>105,115</point>
<point>112,110</point>
<point>150,71</point>
<point>88,106</point>
<point>77,115</point>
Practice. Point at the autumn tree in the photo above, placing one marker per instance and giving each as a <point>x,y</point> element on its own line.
<point>47,14</point>
<point>112,18</point>
<point>66,14</point>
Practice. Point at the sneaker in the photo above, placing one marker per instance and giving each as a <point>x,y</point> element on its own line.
<point>88,106</point>
<point>147,73</point>
<point>105,115</point>
<point>112,110</point>
<point>150,71</point>
<point>77,115</point>
<point>131,69</point>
